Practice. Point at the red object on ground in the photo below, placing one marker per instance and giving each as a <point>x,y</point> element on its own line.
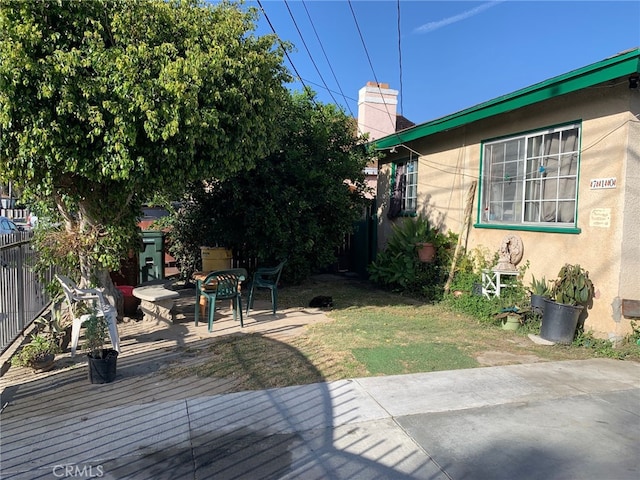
<point>127,290</point>
<point>130,302</point>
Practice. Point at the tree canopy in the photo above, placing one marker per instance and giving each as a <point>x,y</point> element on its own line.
<point>296,203</point>
<point>105,102</point>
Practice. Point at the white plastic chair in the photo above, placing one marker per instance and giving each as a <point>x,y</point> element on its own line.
<point>103,309</point>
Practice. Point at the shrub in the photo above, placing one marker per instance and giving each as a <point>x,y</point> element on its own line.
<point>465,298</point>
<point>399,268</point>
<point>35,351</point>
<point>294,204</point>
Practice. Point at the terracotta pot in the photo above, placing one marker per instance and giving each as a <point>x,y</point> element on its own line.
<point>203,305</point>
<point>426,252</point>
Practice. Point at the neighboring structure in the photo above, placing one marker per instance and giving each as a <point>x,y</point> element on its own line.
<point>557,163</point>
<point>377,117</point>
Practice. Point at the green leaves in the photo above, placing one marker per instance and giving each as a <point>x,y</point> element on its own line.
<point>106,102</point>
<point>540,287</point>
<point>398,266</point>
<point>573,286</point>
<point>293,204</point>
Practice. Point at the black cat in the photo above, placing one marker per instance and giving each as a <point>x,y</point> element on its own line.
<point>321,301</point>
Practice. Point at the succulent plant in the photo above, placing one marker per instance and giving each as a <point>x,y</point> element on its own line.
<point>540,287</point>
<point>573,286</point>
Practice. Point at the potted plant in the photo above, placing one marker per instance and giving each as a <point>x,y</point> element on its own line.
<point>510,318</point>
<point>424,237</point>
<point>38,354</point>
<point>56,325</point>
<point>426,251</point>
<point>539,290</point>
<point>572,291</point>
<point>102,361</point>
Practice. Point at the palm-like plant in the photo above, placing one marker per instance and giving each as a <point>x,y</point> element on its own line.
<point>540,287</point>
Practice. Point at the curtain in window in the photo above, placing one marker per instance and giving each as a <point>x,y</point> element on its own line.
<point>533,187</point>
<point>560,177</point>
<point>567,182</point>
<point>397,191</point>
<point>550,178</point>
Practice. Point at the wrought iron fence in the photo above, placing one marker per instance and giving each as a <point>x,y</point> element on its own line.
<point>22,295</point>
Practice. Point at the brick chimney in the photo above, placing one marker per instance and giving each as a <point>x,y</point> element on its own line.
<point>377,106</point>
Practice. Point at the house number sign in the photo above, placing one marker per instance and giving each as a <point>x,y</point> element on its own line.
<point>598,183</point>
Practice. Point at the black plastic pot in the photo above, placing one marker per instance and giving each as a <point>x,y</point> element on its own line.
<point>103,370</point>
<point>559,321</point>
<point>537,304</point>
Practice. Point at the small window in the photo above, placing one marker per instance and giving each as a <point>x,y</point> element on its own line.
<point>404,187</point>
<point>532,179</point>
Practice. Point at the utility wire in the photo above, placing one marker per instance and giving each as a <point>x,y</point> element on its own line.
<point>393,120</point>
<point>368,128</point>
<point>305,83</point>
<point>327,59</point>
<point>287,55</point>
<point>309,52</point>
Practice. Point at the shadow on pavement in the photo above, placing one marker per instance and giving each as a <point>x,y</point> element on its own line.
<point>147,425</point>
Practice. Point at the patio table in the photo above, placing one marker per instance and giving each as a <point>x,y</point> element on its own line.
<point>200,277</point>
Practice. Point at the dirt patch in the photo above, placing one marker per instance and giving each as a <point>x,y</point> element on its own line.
<point>493,358</point>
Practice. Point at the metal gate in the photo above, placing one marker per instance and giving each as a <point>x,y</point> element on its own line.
<point>359,248</point>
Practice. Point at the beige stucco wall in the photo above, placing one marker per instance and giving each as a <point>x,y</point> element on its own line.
<point>449,162</point>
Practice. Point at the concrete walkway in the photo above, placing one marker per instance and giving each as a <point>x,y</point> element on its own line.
<point>552,420</point>
<point>557,420</point>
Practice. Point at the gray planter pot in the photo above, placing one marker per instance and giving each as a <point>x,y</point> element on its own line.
<point>537,304</point>
<point>559,321</point>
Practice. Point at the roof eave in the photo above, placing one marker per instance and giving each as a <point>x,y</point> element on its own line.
<point>594,74</point>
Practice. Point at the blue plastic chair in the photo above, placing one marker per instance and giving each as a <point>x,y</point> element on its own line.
<point>266,278</point>
<point>221,285</point>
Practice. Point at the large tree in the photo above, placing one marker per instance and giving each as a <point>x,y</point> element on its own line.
<point>297,203</point>
<point>105,102</point>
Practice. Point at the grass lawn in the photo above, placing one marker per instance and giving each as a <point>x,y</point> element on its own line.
<point>373,332</point>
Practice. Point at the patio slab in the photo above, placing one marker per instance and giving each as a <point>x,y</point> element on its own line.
<point>573,419</point>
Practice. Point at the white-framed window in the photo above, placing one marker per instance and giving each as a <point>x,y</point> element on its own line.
<point>410,198</point>
<point>531,179</point>
<point>404,187</point>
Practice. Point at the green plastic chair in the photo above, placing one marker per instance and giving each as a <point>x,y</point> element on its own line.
<point>266,278</point>
<point>221,285</point>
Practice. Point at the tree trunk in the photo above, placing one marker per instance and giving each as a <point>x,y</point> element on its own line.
<point>97,275</point>
<point>110,292</point>
<point>91,273</point>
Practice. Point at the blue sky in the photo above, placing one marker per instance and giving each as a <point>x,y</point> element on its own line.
<point>449,55</point>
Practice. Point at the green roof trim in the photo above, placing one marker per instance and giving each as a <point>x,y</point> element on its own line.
<point>528,228</point>
<point>594,74</point>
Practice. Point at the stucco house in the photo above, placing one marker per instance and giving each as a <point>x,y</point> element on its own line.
<point>556,163</point>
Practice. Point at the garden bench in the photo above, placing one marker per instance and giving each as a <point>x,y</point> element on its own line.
<point>156,301</point>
